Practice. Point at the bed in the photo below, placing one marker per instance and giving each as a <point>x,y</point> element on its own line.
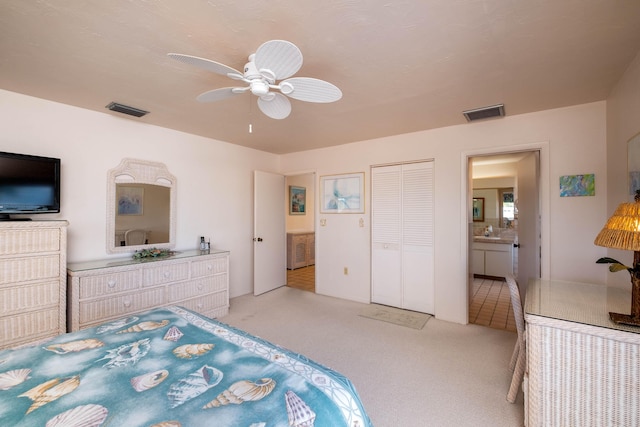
<point>170,367</point>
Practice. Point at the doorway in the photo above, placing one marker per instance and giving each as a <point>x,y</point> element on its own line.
<point>506,238</point>
<point>300,229</point>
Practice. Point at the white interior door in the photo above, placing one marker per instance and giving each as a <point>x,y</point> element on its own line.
<point>386,212</point>
<point>402,236</point>
<point>269,235</point>
<point>528,220</point>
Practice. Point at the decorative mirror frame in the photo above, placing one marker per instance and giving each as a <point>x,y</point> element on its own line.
<point>134,171</point>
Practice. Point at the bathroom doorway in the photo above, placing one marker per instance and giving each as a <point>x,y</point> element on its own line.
<point>300,229</point>
<point>503,181</point>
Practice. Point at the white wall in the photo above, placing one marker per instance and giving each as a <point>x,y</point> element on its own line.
<point>215,186</point>
<point>623,113</point>
<point>215,179</point>
<point>301,222</point>
<point>576,141</point>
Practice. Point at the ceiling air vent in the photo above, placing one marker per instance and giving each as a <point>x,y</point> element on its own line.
<point>125,109</point>
<point>484,112</point>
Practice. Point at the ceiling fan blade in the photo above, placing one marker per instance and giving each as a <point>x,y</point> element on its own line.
<point>281,57</point>
<point>310,90</point>
<point>220,94</point>
<point>207,64</point>
<point>279,107</point>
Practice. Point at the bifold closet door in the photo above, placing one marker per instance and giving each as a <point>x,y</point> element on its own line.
<point>402,236</point>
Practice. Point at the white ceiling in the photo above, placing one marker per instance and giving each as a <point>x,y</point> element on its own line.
<point>402,65</point>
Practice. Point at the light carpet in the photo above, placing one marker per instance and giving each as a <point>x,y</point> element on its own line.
<point>397,316</point>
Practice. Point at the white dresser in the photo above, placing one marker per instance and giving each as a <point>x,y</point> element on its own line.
<point>301,247</point>
<point>104,290</point>
<point>582,369</point>
<point>33,256</point>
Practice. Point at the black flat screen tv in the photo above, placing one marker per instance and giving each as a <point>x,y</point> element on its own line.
<point>28,185</point>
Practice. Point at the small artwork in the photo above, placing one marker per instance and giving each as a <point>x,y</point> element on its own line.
<point>578,185</point>
<point>130,200</point>
<point>342,193</point>
<point>297,200</point>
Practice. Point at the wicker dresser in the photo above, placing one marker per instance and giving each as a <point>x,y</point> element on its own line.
<point>33,256</point>
<point>104,290</point>
<point>583,369</point>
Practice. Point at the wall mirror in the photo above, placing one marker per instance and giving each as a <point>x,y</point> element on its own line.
<point>141,206</point>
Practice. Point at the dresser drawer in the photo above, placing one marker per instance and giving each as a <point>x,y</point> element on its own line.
<point>24,269</point>
<point>33,296</point>
<point>180,291</point>
<point>29,326</point>
<point>206,303</point>
<point>165,274</point>
<point>105,284</point>
<point>209,267</point>
<point>118,305</point>
<point>24,241</point>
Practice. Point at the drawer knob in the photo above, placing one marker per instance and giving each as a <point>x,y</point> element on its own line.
<point>126,303</point>
<point>209,267</point>
<point>111,283</point>
<point>200,305</point>
<point>167,274</point>
<point>200,287</point>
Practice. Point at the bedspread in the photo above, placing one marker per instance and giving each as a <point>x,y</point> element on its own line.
<point>170,367</point>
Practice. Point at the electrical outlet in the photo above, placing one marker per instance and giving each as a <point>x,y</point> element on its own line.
<point>346,271</point>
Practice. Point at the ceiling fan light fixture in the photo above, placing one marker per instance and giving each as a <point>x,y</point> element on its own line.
<point>484,112</point>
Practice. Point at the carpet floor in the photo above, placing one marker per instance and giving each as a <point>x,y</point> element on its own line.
<point>444,374</point>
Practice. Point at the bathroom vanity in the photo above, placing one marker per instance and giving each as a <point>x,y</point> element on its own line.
<point>492,256</point>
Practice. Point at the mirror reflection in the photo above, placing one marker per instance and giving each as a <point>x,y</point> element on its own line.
<point>141,207</point>
<point>142,214</point>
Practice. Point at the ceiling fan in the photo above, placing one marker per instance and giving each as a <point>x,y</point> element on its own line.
<point>273,61</point>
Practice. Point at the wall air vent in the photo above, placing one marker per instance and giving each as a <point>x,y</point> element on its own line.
<point>484,112</point>
<point>125,109</point>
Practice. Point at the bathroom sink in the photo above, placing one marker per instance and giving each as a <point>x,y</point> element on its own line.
<point>488,237</point>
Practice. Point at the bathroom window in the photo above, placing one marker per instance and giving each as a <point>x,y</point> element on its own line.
<point>507,207</point>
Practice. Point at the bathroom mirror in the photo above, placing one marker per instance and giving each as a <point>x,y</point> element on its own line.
<point>141,206</point>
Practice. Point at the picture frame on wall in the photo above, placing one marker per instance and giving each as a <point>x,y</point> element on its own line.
<point>297,200</point>
<point>342,193</point>
<point>130,200</point>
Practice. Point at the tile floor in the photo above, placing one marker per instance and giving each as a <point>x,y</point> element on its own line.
<point>491,304</point>
<point>302,278</point>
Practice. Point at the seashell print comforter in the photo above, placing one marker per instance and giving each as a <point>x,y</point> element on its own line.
<point>170,367</point>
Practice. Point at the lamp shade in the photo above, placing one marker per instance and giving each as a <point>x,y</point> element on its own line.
<point>622,230</point>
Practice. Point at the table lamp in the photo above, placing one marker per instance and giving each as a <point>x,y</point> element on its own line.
<point>622,231</point>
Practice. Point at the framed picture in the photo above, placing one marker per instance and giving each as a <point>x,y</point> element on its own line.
<point>478,209</point>
<point>297,200</point>
<point>578,185</point>
<point>130,200</point>
<point>342,193</point>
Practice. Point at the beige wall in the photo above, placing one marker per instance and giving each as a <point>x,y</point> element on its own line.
<point>215,179</point>
<point>623,123</point>
<point>304,222</point>
<point>215,185</point>
<point>574,138</point>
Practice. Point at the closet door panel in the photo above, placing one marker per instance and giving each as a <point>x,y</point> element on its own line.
<point>386,279</point>
<point>402,255</point>
<point>417,236</point>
